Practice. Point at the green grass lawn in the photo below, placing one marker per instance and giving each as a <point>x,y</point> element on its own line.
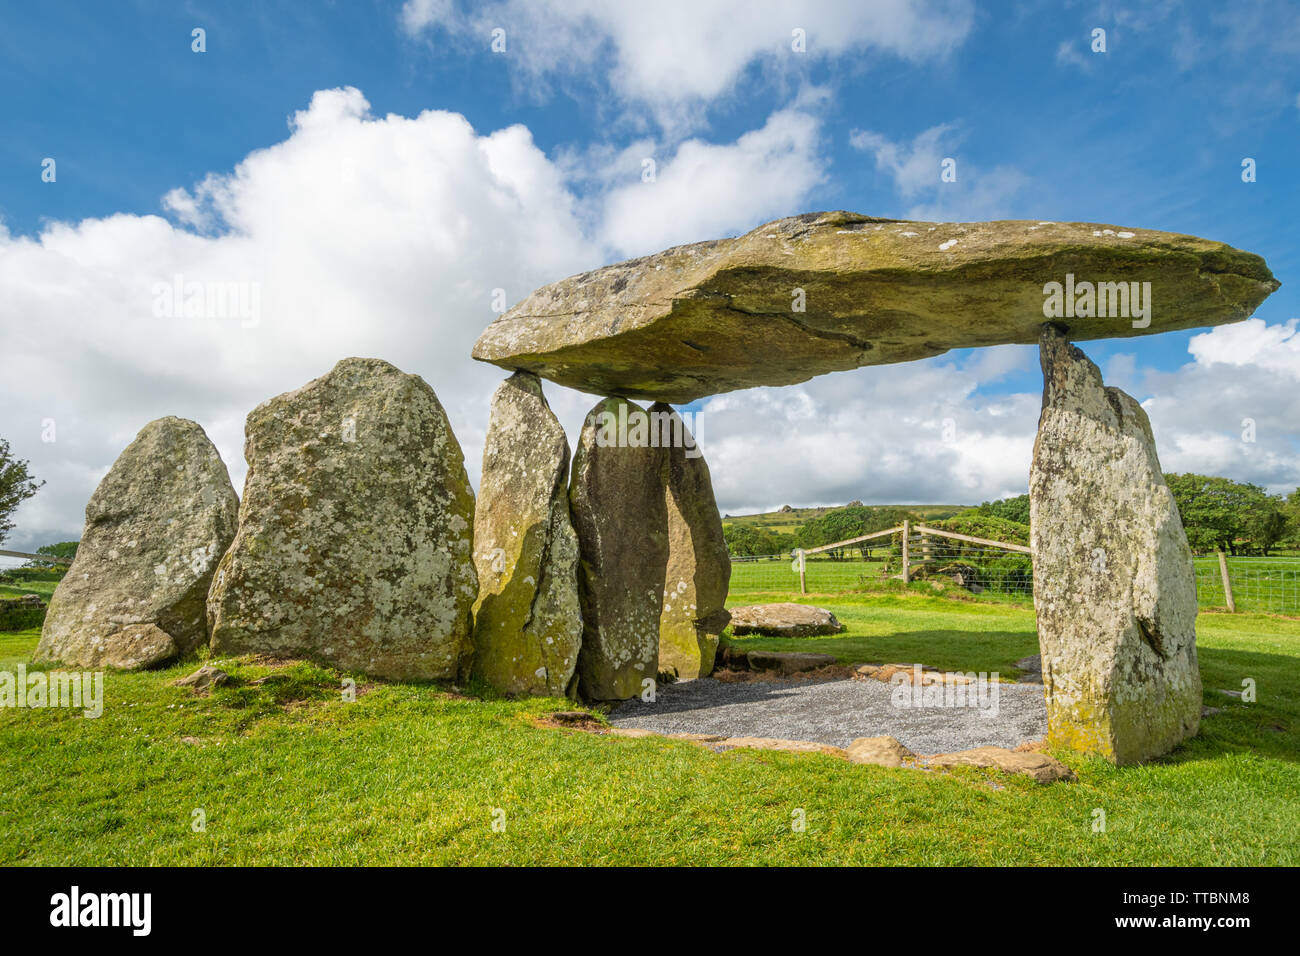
<point>286,772</point>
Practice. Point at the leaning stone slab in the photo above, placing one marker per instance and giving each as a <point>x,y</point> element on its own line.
<point>699,566</point>
<point>355,532</point>
<point>1114,586</point>
<point>824,292</point>
<point>527,622</point>
<point>155,528</point>
<point>784,620</point>
<point>616,498</point>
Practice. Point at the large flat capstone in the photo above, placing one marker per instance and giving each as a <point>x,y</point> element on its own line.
<point>825,292</point>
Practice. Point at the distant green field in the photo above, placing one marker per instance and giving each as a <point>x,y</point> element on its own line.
<point>1261,585</point>
<point>43,588</point>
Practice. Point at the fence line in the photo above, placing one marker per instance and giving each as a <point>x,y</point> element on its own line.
<point>35,557</point>
<point>992,569</point>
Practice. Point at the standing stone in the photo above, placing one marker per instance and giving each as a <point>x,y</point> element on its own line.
<point>155,528</point>
<point>355,533</point>
<point>527,622</point>
<point>616,497</point>
<point>699,566</point>
<point>1114,586</point>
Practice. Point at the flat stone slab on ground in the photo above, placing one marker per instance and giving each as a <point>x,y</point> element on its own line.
<point>787,662</point>
<point>784,620</point>
<point>1039,767</point>
<point>835,713</point>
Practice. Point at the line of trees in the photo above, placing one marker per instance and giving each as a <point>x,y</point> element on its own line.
<point>1234,516</point>
<point>1238,517</point>
<point>1217,513</point>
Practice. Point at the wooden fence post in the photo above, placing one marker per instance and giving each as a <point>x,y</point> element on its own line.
<point>1227,582</point>
<point>907,530</point>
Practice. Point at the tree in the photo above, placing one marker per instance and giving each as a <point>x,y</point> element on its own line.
<point>840,524</point>
<point>745,540</point>
<point>60,549</point>
<point>1291,508</point>
<point>16,486</point>
<point>978,524</point>
<point>1266,520</point>
<point>1225,514</point>
<point>1009,509</point>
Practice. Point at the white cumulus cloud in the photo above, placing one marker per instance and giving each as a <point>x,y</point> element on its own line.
<point>675,56</point>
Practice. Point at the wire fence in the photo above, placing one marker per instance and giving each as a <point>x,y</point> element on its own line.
<point>973,565</point>
<point>1264,585</point>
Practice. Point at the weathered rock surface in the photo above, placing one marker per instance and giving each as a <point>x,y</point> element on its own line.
<point>1114,586</point>
<point>776,743</point>
<point>527,622</point>
<point>787,662</point>
<point>1039,767</point>
<point>617,501</point>
<point>155,528</point>
<point>881,751</point>
<point>784,620</point>
<point>355,532</point>
<point>823,292</point>
<point>910,674</point>
<point>699,566</point>
<point>204,679</point>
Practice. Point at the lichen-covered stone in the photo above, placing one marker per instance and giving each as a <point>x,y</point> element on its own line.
<point>155,528</point>
<point>1114,585</point>
<point>617,500</point>
<point>881,751</point>
<point>527,622</point>
<point>355,532</point>
<point>1038,767</point>
<point>784,619</point>
<point>823,292</point>
<point>699,566</point>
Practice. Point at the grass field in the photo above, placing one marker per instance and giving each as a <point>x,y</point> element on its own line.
<point>43,588</point>
<point>1264,585</point>
<point>286,771</point>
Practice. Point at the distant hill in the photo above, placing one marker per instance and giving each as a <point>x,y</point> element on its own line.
<point>787,522</point>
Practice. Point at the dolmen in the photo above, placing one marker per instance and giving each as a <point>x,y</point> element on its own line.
<point>359,542</point>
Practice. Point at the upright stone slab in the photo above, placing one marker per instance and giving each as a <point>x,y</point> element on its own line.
<point>527,622</point>
<point>355,532</point>
<point>155,528</point>
<point>699,567</point>
<point>1114,586</point>
<point>616,497</point>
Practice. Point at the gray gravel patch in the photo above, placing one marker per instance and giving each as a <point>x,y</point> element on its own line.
<point>836,712</point>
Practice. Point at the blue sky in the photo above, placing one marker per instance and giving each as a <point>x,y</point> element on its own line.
<point>1150,133</point>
